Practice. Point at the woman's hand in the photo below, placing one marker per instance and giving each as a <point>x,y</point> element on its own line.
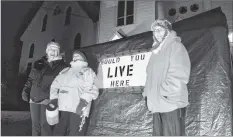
<point>81,106</point>
<point>46,101</point>
<point>25,96</point>
<point>52,105</point>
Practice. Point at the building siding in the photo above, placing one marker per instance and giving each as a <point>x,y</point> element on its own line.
<point>145,14</point>
<point>177,4</point>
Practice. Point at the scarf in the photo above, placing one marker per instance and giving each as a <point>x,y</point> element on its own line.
<point>157,46</point>
<point>78,65</point>
<point>160,46</point>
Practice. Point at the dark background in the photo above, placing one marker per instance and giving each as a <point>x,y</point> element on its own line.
<point>16,16</point>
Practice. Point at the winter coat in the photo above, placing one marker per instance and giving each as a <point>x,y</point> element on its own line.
<point>41,77</point>
<point>72,84</point>
<point>168,73</point>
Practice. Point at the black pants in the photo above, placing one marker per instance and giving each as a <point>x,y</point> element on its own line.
<point>40,126</point>
<point>169,124</point>
<point>69,125</point>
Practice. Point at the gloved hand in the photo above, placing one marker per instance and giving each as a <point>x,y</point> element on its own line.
<point>52,105</point>
<point>25,96</point>
<point>82,104</point>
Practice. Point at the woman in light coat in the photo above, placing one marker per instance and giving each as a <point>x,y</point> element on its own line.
<point>168,74</point>
<point>73,91</point>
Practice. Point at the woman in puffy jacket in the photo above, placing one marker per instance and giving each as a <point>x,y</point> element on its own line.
<point>72,92</point>
<point>168,74</point>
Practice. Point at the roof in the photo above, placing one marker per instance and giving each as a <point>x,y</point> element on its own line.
<point>92,8</point>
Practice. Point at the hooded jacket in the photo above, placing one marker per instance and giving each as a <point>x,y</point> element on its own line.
<point>41,77</point>
<point>74,83</point>
<point>168,73</point>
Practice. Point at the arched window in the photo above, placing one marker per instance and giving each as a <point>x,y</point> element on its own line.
<point>31,51</point>
<point>44,23</point>
<point>77,41</point>
<point>53,40</point>
<point>68,16</point>
<point>57,10</point>
<point>29,68</point>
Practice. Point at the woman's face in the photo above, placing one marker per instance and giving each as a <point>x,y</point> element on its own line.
<point>77,57</point>
<point>159,33</point>
<point>52,51</point>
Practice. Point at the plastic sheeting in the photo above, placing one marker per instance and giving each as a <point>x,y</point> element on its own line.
<point>122,111</point>
<point>210,109</point>
<point>210,85</point>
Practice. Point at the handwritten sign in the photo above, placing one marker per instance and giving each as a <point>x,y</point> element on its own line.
<point>123,71</point>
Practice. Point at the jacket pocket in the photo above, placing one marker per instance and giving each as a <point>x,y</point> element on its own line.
<point>63,92</point>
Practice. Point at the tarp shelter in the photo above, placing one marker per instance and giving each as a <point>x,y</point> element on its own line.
<point>122,111</point>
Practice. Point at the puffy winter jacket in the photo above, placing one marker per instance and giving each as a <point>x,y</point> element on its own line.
<point>71,85</point>
<point>41,77</point>
<point>167,76</point>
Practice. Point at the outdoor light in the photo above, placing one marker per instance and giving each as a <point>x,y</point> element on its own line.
<point>230,36</point>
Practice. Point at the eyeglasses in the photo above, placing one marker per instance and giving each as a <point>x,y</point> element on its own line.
<point>158,29</point>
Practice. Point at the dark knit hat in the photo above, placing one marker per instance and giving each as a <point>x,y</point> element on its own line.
<point>81,54</point>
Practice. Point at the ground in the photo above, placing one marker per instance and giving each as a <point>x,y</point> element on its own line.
<point>15,123</point>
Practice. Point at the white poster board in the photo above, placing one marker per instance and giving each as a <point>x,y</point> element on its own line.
<point>123,71</point>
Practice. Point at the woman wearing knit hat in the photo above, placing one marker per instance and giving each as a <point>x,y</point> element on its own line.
<point>37,88</point>
<point>74,89</point>
<point>168,73</point>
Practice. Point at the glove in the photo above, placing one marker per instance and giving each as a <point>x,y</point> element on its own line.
<point>52,105</point>
<point>25,96</point>
<point>81,106</point>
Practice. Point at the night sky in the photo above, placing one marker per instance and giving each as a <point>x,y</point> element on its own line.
<point>14,15</point>
<point>15,18</point>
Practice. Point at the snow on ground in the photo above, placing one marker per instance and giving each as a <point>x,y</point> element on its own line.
<point>15,123</point>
